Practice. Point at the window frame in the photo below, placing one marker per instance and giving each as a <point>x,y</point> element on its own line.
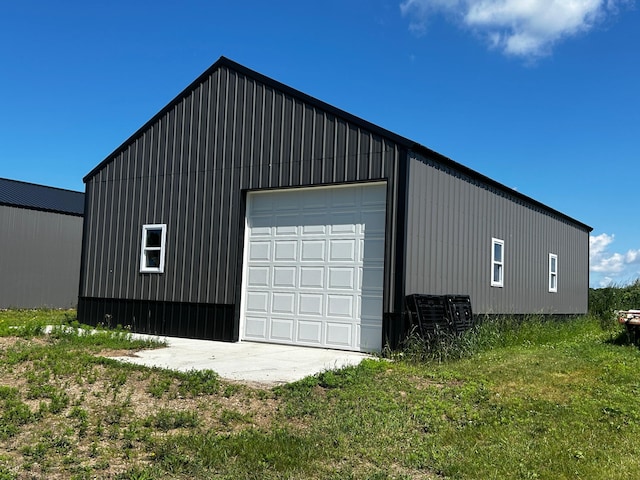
<point>497,263</point>
<point>144,248</point>
<point>553,273</point>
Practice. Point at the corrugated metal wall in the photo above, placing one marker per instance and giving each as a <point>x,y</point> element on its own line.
<point>451,220</point>
<point>188,168</point>
<point>39,258</point>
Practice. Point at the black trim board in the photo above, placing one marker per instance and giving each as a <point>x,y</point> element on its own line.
<point>394,328</point>
<point>240,263</point>
<point>38,209</point>
<point>83,247</point>
<point>175,319</point>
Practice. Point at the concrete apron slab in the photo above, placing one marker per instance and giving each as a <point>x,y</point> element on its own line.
<point>248,362</point>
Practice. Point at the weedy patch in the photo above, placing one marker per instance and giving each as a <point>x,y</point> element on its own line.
<point>517,400</point>
<point>69,413</point>
<point>167,419</point>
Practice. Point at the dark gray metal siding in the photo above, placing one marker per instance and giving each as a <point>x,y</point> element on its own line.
<point>451,219</point>
<point>39,259</point>
<point>189,168</point>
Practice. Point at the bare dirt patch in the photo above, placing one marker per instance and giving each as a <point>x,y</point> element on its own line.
<point>101,418</point>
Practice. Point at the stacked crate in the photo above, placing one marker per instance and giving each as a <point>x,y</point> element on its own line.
<point>434,314</point>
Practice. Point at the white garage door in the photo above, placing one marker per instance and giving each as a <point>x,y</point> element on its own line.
<point>314,267</point>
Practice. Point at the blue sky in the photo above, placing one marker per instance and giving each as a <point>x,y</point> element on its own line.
<point>541,95</point>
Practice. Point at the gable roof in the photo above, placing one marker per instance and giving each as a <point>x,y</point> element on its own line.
<point>319,104</point>
<point>40,197</point>
<point>247,72</point>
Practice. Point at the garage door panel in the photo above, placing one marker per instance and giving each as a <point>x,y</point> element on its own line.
<point>284,277</point>
<point>371,278</point>
<point>344,197</point>
<point>280,202</point>
<point>285,251</point>
<point>342,278</point>
<point>342,250</point>
<point>340,306</point>
<point>314,199</point>
<point>286,224</point>
<point>255,327</point>
<point>258,276</point>
<point>283,303</point>
<point>311,277</point>
<point>315,267</point>
<point>311,304</point>
<point>313,250</point>
<point>369,337</point>
<point>264,207</point>
<point>260,251</point>
<point>343,224</point>
<point>286,230</point>
<point>373,194</point>
<point>370,306</point>
<point>314,225</point>
<point>261,231</point>
<point>373,222</point>
<point>282,329</point>
<point>339,230</point>
<point>339,334</point>
<point>258,302</point>
<point>309,332</point>
<point>372,250</point>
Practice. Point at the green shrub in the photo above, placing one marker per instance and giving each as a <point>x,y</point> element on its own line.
<point>604,302</point>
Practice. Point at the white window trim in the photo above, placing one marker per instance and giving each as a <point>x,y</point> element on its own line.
<point>143,248</point>
<point>500,282</point>
<point>553,275</point>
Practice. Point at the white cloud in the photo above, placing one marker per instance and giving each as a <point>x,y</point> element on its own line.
<point>526,28</point>
<point>605,282</point>
<point>610,267</point>
<point>421,10</point>
<point>632,256</point>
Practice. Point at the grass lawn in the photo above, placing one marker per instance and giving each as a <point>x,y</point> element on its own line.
<point>536,400</point>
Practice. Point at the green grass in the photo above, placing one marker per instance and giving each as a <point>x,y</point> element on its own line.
<point>532,399</point>
<point>27,323</point>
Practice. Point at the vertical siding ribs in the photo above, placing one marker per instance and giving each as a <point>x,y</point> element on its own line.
<point>188,170</point>
<point>453,219</point>
<point>215,208</point>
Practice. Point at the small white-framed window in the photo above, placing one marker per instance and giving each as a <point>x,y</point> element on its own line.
<point>553,272</point>
<point>152,248</point>
<point>497,262</point>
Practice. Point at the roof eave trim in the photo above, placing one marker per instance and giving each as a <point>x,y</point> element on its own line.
<point>494,183</point>
<point>42,209</point>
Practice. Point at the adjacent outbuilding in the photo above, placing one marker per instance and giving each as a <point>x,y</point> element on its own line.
<point>247,210</point>
<point>40,245</point>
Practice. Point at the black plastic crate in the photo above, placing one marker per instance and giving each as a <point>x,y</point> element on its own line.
<point>429,313</point>
<point>432,314</point>
<point>460,312</point>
